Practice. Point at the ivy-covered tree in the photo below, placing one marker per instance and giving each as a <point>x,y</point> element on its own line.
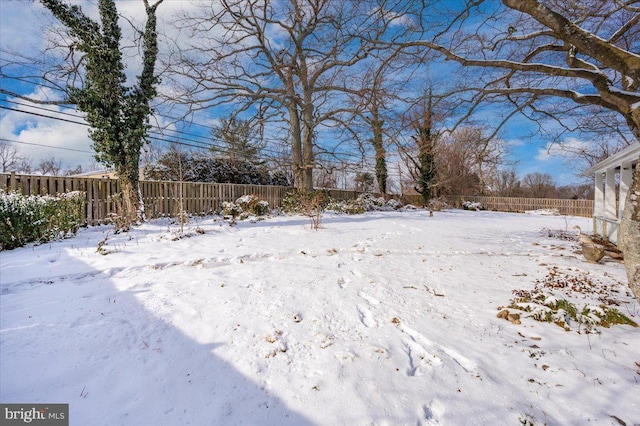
<point>420,158</point>
<point>118,114</point>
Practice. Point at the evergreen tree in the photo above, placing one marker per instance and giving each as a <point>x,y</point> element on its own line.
<point>239,139</point>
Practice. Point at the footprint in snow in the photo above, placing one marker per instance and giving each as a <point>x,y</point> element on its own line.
<point>366,317</point>
<point>464,362</point>
<point>371,300</point>
<point>342,282</point>
<point>420,360</point>
<point>432,412</point>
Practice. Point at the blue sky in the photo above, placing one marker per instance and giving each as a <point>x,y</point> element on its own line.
<point>23,28</point>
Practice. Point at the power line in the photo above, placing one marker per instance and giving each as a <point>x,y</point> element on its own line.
<point>192,123</point>
<point>201,145</point>
<point>83,123</point>
<point>45,146</point>
<point>194,143</point>
<point>43,115</point>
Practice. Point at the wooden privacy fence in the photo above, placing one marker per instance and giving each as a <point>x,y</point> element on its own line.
<point>161,198</point>
<point>582,208</point>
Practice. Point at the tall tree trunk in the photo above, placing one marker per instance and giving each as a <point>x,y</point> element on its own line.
<point>629,233</point>
<point>131,211</point>
<point>296,147</point>
<point>307,145</point>
<point>427,172</point>
<point>131,207</point>
<point>381,154</point>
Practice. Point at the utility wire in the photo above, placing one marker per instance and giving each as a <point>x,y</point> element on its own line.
<point>345,154</point>
<point>45,146</point>
<point>187,142</point>
<point>192,123</point>
<point>169,141</point>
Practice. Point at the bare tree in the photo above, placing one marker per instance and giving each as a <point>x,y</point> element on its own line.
<point>485,153</point>
<point>11,160</point>
<point>456,175</point>
<point>558,63</point>
<point>49,166</point>
<point>325,178</point>
<point>291,60</point>
<point>73,171</point>
<point>506,183</point>
<point>376,101</point>
<point>580,155</point>
<point>539,185</point>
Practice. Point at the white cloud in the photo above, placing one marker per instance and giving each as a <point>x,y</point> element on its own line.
<point>40,137</point>
<point>509,143</point>
<point>564,150</point>
<point>22,24</point>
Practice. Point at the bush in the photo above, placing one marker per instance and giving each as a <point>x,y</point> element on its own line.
<point>364,203</point>
<point>313,205</point>
<point>348,207</point>
<point>291,202</point>
<point>369,202</point>
<point>310,204</point>
<point>298,201</point>
<point>471,205</point>
<point>245,206</point>
<point>230,209</point>
<point>253,204</point>
<point>25,219</point>
<point>437,204</point>
<point>393,204</point>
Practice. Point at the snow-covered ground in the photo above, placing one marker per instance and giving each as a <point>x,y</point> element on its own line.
<point>387,318</point>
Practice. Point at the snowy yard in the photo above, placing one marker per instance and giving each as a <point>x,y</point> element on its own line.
<point>386,318</point>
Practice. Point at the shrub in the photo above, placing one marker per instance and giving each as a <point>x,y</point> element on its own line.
<point>365,202</point>
<point>393,204</point>
<point>253,204</point>
<point>437,204</point>
<point>25,219</point>
<point>348,207</point>
<point>298,201</point>
<point>471,205</point>
<point>310,204</point>
<point>369,202</point>
<point>245,206</point>
<point>291,202</point>
<point>313,205</point>
<point>230,209</point>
